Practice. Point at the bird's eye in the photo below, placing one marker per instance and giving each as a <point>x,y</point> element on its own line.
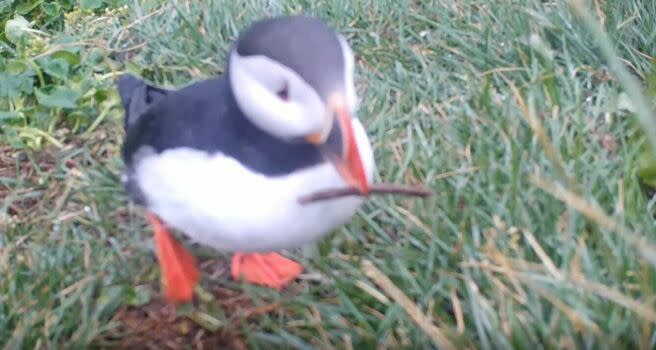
<point>284,92</point>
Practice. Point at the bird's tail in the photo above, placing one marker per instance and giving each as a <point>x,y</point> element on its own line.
<point>137,96</point>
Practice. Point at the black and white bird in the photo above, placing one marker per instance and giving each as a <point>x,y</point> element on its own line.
<point>225,160</point>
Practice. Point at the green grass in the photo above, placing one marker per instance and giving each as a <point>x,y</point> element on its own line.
<point>540,233</point>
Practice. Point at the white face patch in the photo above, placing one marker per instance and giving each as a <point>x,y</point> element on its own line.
<point>256,82</point>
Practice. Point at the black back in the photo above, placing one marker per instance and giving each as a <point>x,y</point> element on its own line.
<point>205,117</point>
<point>137,96</point>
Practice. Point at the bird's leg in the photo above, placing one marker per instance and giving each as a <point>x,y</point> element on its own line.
<point>270,270</point>
<point>177,265</point>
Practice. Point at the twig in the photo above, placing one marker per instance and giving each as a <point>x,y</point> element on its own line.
<point>383,188</point>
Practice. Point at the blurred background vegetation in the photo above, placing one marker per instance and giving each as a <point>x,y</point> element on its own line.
<point>541,232</point>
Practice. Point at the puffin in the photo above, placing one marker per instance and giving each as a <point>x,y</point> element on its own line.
<point>225,160</point>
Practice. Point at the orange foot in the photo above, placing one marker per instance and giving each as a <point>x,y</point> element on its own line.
<point>177,265</point>
<point>270,270</point>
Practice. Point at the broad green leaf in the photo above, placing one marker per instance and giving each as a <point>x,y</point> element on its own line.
<point>17,66</point>
<point>14,85</point>
<point>67,4</point>
<point>15,29</point>
<point>55,67</point>
<point>100,95</point>
<point>73,59</point>
<point>57,97</point>
<point>51,8</point>
<point>90,4</point>
<point>8,116</point>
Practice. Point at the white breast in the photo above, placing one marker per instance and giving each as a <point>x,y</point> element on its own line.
<point>220,203</point>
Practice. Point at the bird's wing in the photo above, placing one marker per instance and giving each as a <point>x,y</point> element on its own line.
<point>137,96</point>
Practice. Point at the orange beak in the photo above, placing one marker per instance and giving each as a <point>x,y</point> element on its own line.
<point>348,163</point>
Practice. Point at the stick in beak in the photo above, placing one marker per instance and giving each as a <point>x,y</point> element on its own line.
<point>348,163</point>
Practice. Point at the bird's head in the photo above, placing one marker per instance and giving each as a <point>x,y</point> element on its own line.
<point>293,78</point>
